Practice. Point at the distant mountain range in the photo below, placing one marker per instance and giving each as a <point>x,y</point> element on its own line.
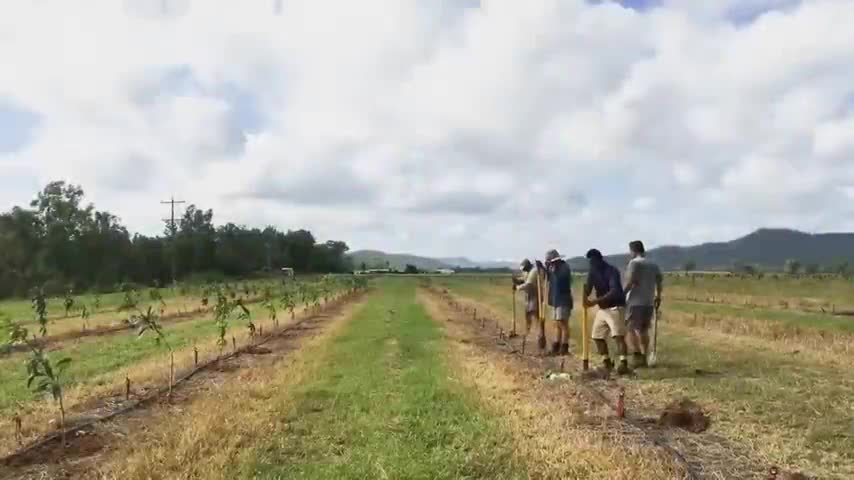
<point>766,249</point>
<point>398,261</point>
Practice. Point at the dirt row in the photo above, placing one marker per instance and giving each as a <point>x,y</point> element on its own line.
<point>105,422</point>
<point>595,398</point>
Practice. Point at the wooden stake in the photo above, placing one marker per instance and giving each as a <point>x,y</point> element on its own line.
<point>234,344</point>
<point>171,371</point>
<point>195,356</point>
<point>19,430</point>
<point>127,387</point>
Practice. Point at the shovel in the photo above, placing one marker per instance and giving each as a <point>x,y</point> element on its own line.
<point>513,332</point>
<point>653,355</point>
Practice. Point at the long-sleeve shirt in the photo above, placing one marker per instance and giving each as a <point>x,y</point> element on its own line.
<point>529,286</point>
<point>560,284</point>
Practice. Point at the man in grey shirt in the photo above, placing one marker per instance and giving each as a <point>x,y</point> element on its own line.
<point>644,284</point>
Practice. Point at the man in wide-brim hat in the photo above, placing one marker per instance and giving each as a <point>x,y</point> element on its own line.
<point>560,299</point>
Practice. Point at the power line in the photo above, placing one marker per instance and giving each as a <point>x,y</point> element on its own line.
<point>172,230</point>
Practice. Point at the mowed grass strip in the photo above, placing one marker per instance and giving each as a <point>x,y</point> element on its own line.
<point>790,409</point>
<point>383,407</point>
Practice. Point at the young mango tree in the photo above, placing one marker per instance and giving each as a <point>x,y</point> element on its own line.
<point>155,296</point>
<point>272,313</point>
<point>130,299</point>
<point>96,301</point>
<point>148,322</point>
<point>222,312</point>
<point>43,376</point>
<point>84,314</point>
<point>245,315</point>
<point>68,302</point>
<point>39,304</point>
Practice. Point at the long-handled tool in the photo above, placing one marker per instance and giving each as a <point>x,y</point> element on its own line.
<point>585,339</point>
<point>653,355</point>
<point>513,332</point>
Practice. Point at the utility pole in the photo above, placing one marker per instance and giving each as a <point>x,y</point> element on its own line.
<point>173,229</point>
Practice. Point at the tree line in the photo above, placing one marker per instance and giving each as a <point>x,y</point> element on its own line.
<point>60,243</point>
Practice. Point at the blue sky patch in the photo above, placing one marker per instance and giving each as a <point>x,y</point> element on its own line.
<point>16,127</point>
<point>745,13</point>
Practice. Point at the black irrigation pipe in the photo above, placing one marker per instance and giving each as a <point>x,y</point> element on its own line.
<point>9,460</point>
<point>591,390</point>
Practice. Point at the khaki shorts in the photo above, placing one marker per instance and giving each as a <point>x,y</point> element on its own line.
<point>531,307</point>
<point>609,320</point>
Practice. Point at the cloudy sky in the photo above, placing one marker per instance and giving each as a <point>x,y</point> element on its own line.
<point>491,129</point>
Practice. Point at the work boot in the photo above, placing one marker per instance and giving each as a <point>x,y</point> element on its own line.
<point>639,361</point>
<point>608,364</point>
<point>541,342</point>
<point>623,369</point>
<point>564,349</point>
<point>555,349</point>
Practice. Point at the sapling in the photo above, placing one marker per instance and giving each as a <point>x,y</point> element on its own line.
<point>222,310</point>
<point>84,314</point>
<point>43,376</point>
<point>97,301</point>
<point>155,296</point>
<point>40,310</point>
<point>148,321</point>
<point>130,299</point>
<point>272,314</point>
<point>69,302</point>
<point>245,314</point>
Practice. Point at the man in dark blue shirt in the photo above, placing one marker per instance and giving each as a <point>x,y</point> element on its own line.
<point>560,299</point>
<point>610,318</point>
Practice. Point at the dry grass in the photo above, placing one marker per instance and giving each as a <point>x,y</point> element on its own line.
<point>558,434</point>
<point>826,347</point>
<point>775,398</point>
<point>203,439</point>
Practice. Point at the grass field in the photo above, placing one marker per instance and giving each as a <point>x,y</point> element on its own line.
<point>402,384</point>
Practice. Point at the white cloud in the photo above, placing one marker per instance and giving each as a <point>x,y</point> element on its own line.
<point>510,128</point>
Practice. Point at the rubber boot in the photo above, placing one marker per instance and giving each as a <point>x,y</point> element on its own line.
<point>623,369</point>
<point>555,349</point>
<point>564,349</point>
<point>541,342</point>
<point>639,361</point>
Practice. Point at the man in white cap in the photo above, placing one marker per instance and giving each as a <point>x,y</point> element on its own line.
<point>532,301</point>
<point>560,299</point>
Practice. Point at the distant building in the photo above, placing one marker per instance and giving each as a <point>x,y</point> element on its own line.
<point>444,271</point>
<point>288,271</point>
<point>372,271</point>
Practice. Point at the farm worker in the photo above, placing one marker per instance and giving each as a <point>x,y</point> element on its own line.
<point>560,299</point>
<point>604,278</point>
<point>643,296</point>
<point>532,303</point>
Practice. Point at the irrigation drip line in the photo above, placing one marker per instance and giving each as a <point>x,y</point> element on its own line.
<point>596,393</point>
<point>154,395</point>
